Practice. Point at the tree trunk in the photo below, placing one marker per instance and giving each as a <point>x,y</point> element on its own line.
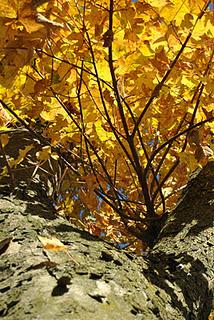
<point>94,280</point>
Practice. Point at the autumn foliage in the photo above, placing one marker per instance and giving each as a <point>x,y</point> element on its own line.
<point>121,94</point>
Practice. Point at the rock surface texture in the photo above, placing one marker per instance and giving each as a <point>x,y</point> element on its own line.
<point>94,280</point>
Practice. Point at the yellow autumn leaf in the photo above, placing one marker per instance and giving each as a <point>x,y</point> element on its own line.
<point>175,10</point>
<point>4,139</point>
<point>30,24</point>
<point>21,156</point>
<point>52,244</point>
<point>189,160</point>
<point>167,191</point>
<point>188,82</point>
<point>55,156</point>
<point>102,133</point>
<point>44,154</point>
<point>158,3</point>
<point>146,50</point>
<point>8,9</point>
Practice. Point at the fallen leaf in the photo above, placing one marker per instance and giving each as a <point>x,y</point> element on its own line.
<point>52,244</point>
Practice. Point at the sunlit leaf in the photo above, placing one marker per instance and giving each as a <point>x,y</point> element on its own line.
<point>44,154</point>
<point>52,244</point>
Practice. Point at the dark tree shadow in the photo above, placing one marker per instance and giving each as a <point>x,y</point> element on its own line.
<point>188,279</point>
<point>187,236</point>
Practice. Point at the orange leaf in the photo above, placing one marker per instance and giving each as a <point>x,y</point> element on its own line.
<point>52,244</point>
